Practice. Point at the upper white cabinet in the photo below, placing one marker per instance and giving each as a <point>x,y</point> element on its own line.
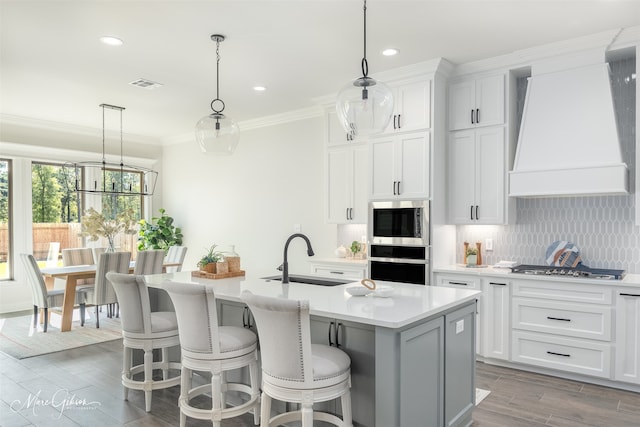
<point>400,166</point>
<point>477,176</point>
<point>347,184</point>
<point>412,107</point>
<point>476,102</point>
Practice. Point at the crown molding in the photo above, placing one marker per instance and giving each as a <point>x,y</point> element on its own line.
<point>51,126</point>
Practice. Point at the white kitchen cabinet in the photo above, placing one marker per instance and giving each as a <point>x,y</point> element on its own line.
<point>347,184</point>
<point>476,102</point>
<point>627,359</point>
<point>347,270</point>
<point>399,167</point>
<point>477,176</point>
<point>412,107</point>
<point>496,313</point>
<point>358,341</point>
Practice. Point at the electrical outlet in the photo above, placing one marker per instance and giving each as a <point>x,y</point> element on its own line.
<point>460,326</point>
<point>297,228</point>
<point>488,244</point>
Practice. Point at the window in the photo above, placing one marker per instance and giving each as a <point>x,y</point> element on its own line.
<point>5,219</point>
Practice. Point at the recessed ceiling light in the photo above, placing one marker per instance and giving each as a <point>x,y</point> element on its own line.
<point>390,52</point>
<point>259,88</point>
<point>112,41</point>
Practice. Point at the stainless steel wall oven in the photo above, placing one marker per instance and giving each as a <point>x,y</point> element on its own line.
<point>399,241</point>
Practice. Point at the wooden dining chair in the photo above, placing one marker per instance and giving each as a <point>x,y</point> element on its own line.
<point>44,298</point>
<point>103,292</point>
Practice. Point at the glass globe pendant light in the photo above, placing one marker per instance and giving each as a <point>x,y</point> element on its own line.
<point>216,133</point>
<point>364,106</point>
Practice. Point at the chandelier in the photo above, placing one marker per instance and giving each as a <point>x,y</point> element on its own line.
<point>216,133</point>
<point>102,177</point>
<point>364,106</point>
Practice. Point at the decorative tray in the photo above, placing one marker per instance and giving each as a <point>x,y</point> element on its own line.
<point>206,275</point>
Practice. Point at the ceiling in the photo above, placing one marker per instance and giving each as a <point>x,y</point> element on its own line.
<point>53,68</point>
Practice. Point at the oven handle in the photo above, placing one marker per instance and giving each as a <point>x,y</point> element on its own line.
<point>400,260</point>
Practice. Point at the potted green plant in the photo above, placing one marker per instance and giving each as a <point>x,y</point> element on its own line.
<point>355,248</point>
<point>472,256</point>
<point>160,233</point>
<point>213,261</point>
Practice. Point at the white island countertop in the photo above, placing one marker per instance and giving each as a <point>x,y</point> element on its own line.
<point>408,304</point>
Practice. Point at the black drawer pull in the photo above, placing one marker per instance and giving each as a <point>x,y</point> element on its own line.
<point>497,284</point>
<point>558,354</point>
<point>336,272</point>
<point>630,295</point>
<point>558,318</point>
<point>458,283</point>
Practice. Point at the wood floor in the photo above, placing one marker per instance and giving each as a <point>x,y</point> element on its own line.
<point>82,387</point>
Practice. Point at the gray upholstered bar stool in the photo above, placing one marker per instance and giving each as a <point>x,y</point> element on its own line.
<point>293,369</point>
<point>207,347</point>
<point>144,330</point>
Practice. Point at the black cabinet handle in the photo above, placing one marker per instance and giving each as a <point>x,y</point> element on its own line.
<point>346,213</point>
<point>331,327</point>
<point>399,187</point>
<point>477,115</point>
<point>394,122</point>
<point>558,354</point>
<point>497,284</point>
<point>471,212</point>
<point>336,272</point>
<point>630,295</point>
<point>399,121</point>
<point>338,329</point>
<point>394,188</point>
<point>559,318</point>
<point>472,122</point>
<point>477,217</point>
<point>458,283</point>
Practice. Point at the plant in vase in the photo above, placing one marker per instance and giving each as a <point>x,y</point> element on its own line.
<point>160,233</point>
<point>355,248</point>
<point>213,261</point>
<point>472,256</point>
<point>95,225</point>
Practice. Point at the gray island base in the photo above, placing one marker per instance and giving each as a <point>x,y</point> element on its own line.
<point>412,354</point>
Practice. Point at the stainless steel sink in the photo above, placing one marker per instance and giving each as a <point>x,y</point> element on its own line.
<point>311,280</point>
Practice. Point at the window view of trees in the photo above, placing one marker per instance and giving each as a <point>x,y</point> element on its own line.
<point>5,271</point>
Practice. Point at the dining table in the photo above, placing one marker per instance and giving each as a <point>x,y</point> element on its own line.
<point>72,274</point>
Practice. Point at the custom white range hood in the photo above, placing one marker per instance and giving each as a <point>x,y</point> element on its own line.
<point>568,143</point>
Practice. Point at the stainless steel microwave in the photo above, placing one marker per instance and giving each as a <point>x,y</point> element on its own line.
<point>399,222</point>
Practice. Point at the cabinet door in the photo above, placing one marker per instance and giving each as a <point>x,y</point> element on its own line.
<point>339,185</point>
<point>489,94</point>
<point>462,164</point>
<point>490,176</point>
<point>628,337</point>
<point>497,326</point>
<point>413,106</point>
<point>381,173</point>
<point>461,104</point>
<point>359,193</point>
<point>413,165</point>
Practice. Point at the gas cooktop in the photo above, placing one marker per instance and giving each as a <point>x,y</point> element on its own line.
<point>579,271</point>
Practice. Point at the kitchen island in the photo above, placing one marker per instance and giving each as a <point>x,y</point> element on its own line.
<point>413,354</point>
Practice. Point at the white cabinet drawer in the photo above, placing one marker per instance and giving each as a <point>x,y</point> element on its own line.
<point>571,355</point>
<point>562,291</point>
<point>339,273</point>
<point>570,319</point>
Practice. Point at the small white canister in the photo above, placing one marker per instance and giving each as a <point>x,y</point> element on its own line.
<point>341,252</point>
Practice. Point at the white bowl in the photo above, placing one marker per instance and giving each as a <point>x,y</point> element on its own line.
<point>358,291</point>
<point>383,291</point>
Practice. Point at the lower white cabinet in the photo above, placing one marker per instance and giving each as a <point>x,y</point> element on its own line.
<point>496,315</point>
<point>347,270</point>
<point>628,335</point>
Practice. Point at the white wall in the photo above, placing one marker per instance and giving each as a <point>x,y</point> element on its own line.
<point>253,198</point>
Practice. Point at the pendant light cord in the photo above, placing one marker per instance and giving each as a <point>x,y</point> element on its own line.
<point>218,68</point>
<point>364,64</point>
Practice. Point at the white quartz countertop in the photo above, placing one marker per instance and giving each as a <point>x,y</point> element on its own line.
<point>408,304</point>
<point>628,280</point>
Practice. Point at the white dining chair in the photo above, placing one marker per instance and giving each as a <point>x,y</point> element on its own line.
<point>149,262</point>
<point>143,329</point>
<point>103,293</point>
<point>53,254</point>
<point>175,255</point>
<point>77,256</point>
<point>293,369</point>
<point>43,298</point>
<point>208,347</point>
<point>97,251</point>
